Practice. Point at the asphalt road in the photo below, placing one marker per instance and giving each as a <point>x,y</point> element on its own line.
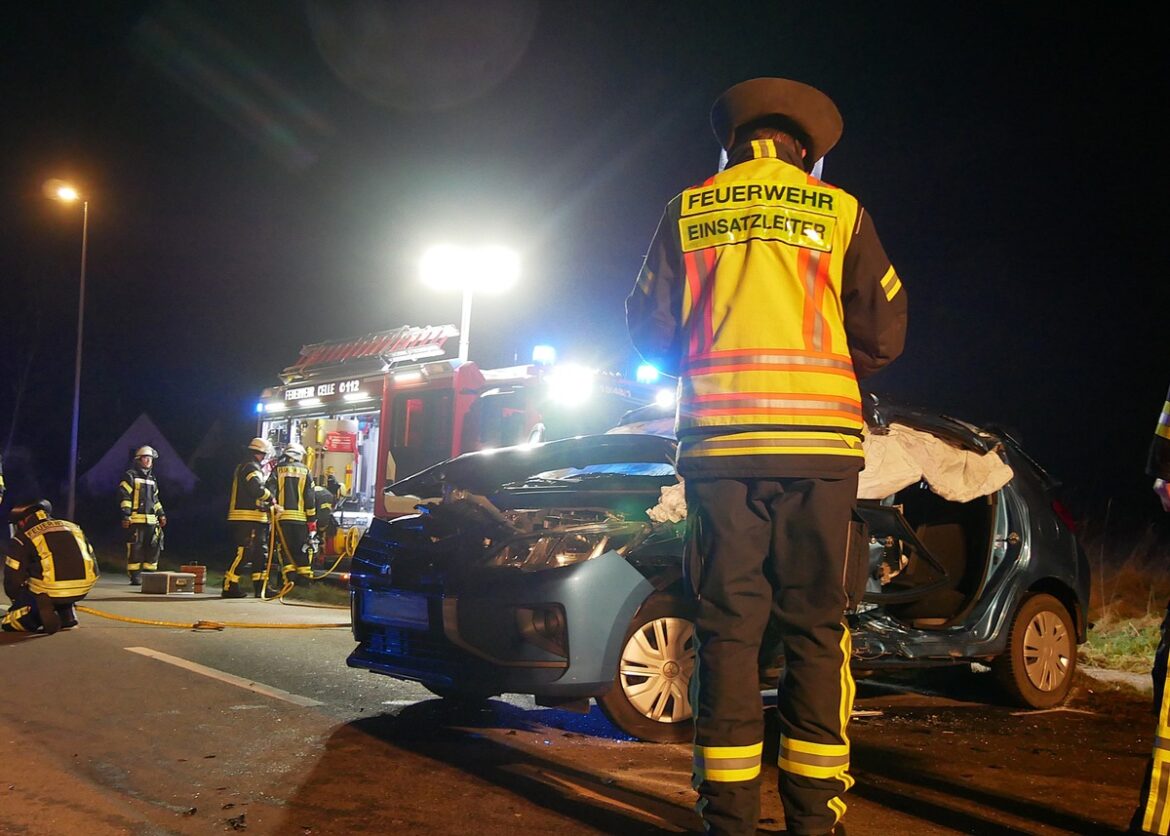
<point>126,727</point>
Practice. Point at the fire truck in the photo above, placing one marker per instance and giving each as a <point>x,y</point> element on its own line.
<point>374,409</point>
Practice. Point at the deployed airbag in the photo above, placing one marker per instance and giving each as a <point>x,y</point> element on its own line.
<point>896,458</point>
<point>902,456</point>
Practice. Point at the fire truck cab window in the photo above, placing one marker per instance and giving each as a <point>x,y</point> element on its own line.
<point>496,419</point>
<point>422,430</point>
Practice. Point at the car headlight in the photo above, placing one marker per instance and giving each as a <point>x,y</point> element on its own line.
<point>555,549</point>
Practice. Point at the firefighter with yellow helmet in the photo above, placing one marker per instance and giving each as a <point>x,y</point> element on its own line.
<point>292,486</point>
<point>767,292</point>
<point>142,514</point>
<point>48,567</point>
<point>249,509</point>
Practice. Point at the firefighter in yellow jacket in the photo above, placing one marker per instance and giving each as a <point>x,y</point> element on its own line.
<point>249,509</point>
<point>1153,812</point>
<point>48,567</point>
<point>142,515</point>
<point>292,485</point>
<point>767,292</point>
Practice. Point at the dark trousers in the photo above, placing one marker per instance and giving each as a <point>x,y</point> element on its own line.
<point>1153,811</point>
<point>761,549</point>
<point>142,548</point>
<point>251,558</point>
<point>295,560</point>
<point>22,616</point>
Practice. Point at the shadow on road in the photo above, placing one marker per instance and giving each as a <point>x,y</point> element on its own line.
<point>430,766</point>
<point>433,764</point>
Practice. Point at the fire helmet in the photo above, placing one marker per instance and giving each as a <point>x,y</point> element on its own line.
<point>813,112</point>
<point>260,445</point>
<point>146,450</point>
<point>295,452</point>
<point>31,513</point>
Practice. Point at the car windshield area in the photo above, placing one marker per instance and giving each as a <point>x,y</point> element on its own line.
<point>614,468</point>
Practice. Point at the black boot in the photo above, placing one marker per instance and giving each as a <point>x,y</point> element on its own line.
<point>258,588</point>
<point>68,617</point>
<point>232,590</point>
<point>136,579</point>
<point>50,621</point>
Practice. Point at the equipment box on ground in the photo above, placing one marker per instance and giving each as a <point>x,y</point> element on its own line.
<point>168,583</point>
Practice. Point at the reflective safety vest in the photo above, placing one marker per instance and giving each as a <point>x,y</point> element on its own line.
<point>140,500</point>
<point>52,557</point>
<point>767,292</point>
<point>250,499</point>
<point>292,486</point>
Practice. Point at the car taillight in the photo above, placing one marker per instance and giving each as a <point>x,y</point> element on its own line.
<point>1065,517</point>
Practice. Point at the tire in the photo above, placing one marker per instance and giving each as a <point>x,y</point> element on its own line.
<point>1036,670</point>
<point>650,695</point>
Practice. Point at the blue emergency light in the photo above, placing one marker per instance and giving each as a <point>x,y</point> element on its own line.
<point>544,355</point>
<point>646,374</point>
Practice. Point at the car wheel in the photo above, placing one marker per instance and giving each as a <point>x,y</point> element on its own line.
<point>650,694</point>
<point>1037,668</point>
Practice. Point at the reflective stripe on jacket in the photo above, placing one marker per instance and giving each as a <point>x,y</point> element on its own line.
<point>140,499</point>
<point>250,497</point>
<point>768,293</point>
<point>1158,463</point>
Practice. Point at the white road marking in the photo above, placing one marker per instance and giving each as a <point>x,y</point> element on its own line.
<point>231,679</point>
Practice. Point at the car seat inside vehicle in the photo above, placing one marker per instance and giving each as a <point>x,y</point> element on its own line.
<point>954,537</point>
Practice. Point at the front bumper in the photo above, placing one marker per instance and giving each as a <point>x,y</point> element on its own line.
<point>480,637</point>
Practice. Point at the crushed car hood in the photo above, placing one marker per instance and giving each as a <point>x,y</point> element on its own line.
<point>485,471</point>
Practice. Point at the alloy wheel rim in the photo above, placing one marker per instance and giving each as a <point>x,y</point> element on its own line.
<point>656,667</point>
<point>1047,651</point>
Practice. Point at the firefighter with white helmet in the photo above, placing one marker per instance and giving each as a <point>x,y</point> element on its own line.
<point>249,507</point>
<point>292,485</point>
<point>48,567</point>
<point>142,514</point>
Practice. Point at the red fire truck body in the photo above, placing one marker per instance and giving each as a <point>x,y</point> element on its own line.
<point>377,408</point>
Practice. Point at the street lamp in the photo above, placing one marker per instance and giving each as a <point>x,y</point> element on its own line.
<point>489,269</point>
<point>69,194</point>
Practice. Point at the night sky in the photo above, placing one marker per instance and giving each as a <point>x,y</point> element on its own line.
<point>265,174</point>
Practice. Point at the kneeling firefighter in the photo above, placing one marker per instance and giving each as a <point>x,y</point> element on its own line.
<point>293,487</point>
<point>48,567</point>
<point>249,508</point>
<point>142,515</point>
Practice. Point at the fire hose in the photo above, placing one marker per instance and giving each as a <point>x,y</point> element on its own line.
<point>348,545</point>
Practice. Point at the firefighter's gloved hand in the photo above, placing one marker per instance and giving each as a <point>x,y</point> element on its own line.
<point>277,509</point>
<point>125,522</point>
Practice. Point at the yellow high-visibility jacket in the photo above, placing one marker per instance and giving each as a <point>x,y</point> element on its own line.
<point>767,292</point>
<point>52,557</point>
<point>292,486</point>
<point>140,501</point>
<point>250,499</point>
